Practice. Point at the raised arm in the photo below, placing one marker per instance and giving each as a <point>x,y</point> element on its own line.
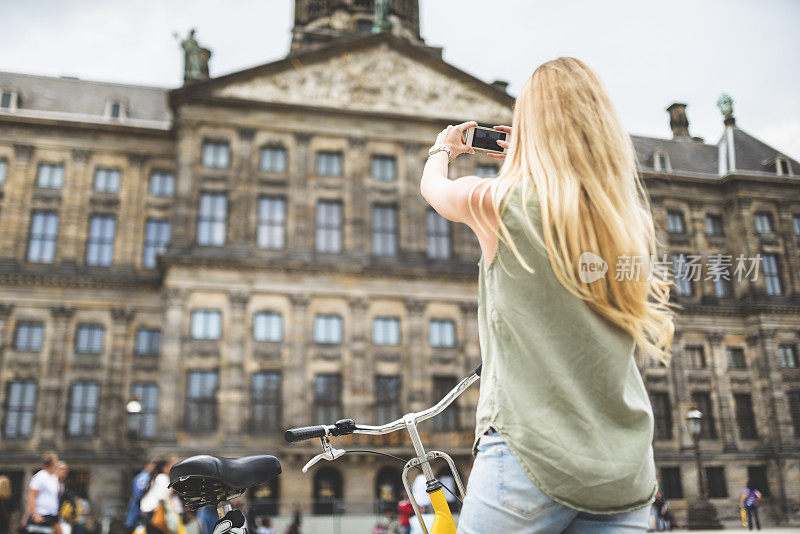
<point>458,200</point>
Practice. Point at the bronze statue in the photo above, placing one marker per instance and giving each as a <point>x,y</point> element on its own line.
<point>725,105</point>
<point>195,58</point>
<point>380,18</point>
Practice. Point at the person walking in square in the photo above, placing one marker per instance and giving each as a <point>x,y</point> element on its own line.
<point>564,425</point>
<point>42,506</point>
<point>749,500</point>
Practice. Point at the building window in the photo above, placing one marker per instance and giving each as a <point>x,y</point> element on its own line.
<point>144,422</point>
<point>717,486</point>
<point>708,428</point>
<point>744,416</point>
<point>148,342</point>
<point>782,167</point>
<point>387,399</point>
<point>735,358</point>
<point>328,493</point>
<point>7,100</point>
<point>662,414</point>
<point>50,176</point>
<point>328,238</point>
<point>329,163</point>
<point>201,401</point>
<point>788,354</point>
<point>82,417</point>
<point>20,409</point>
<point>763,223</point>
<point>448,419</point>
<point>116,110</point>
<point>328,329</point>
<point>106,180</point>
<point>771,274</point>
<point>212,219</point>
<point>438,233</point>
<point>268,326</point>
<point>442,333</point>
<point>384,168</point>
<point>795,219</point>
<point>89,339</point>
<point>206,324</point>
<point>695,357</point>
<point>757,474</point>
<point>100,245</point>
<point>271,233</point>
<point>671,485</point>
<point>42,240</point>
<point>363,26</point>
<point>714,225</point>
<point>675,224</point>
<point>327,399</point>
<point>386,331</point>
<point>485,171</point>
<point>722,287</point>
<point>273,159</point>
<point>793,398</point>
<point>29,337</point>
<point>3,170</point>
<point>661,161</point>
<point>156,239</point>
<point>384,230</point>
<point>162,184</point>
<point>683,279</point>
<point>266,403</point>
<point>216,154</point>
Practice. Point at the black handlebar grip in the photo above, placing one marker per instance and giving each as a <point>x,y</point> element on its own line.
<point>303,433</point>
<point>479,369</point>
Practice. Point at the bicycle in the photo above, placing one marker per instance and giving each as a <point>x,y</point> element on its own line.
<point>211,480</point>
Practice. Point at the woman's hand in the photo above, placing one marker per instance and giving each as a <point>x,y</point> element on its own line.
<point>503,144</point>
<point>452,138</point>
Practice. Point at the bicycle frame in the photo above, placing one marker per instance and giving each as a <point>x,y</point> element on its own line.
<point>443,522</point>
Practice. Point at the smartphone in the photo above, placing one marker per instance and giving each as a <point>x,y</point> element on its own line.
<point>485,139</point>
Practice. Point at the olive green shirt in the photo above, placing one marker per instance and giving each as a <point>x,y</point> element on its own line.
<point>559,381</point>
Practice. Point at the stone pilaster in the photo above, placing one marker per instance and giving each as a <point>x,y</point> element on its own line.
<point>54,383</point>
<point>301,224</point>
<point>680,394</point>
<point>359,377</point>
<point>232,395</point>
<point>242,204</point>
<point>413,235</point>
<point>416,369</point>
<point>719,365</point>
<point>171,371</point>
<point>114,393</point>
<point>358,211</point>
<point>297,411</point>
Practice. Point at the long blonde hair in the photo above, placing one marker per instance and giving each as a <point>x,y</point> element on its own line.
<point>569,146</point>
<point>5,487</point>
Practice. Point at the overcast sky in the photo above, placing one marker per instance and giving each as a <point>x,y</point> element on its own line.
<point>649,53</point>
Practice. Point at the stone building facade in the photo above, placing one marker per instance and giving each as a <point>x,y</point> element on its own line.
<point>251,252</point>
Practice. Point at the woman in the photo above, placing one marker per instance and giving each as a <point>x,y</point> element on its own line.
<point>749,501</point>
<point>5,505</point>
<point>156,494</point>
<point>564,423</point>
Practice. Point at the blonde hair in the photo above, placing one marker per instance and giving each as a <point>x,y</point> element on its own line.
<point>569,146</point>
<point>5,487</point>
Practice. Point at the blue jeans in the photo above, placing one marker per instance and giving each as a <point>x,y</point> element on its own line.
<point>501,497</point>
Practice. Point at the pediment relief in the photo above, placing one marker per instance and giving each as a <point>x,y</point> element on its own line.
<point>378,79</point>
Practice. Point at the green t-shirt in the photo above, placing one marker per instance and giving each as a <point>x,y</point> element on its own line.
<point>559,381</point>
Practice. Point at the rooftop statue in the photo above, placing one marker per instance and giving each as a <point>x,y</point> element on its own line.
<point>195,58</point>
<point>381,22</point>
<point>725,105</point>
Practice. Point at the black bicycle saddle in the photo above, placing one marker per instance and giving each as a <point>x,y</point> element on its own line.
<point>204,479</point>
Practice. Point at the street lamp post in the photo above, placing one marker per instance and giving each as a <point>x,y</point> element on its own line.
<point>702,514</point>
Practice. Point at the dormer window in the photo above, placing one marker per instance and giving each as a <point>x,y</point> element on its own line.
<point>9,100</point>
<point>782,166</point>
<point>661,161</point>
<point>116,110</point>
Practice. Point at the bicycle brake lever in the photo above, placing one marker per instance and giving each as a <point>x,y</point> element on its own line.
<point>330,455</point>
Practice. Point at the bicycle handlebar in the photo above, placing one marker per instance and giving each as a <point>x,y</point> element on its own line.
<point>346,426</point>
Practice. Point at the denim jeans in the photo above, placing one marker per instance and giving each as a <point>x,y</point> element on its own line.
<point>501,497</point>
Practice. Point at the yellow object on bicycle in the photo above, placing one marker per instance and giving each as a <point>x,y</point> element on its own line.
<point>744,516</point>
<point>443,520</point>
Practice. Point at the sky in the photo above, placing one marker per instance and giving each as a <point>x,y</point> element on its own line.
<point>649,53</point>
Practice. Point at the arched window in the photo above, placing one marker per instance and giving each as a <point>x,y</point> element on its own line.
<point>264,500</point>
<point>388,489</point>
<point>327,491</point>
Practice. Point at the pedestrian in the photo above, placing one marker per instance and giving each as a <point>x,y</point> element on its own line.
<point>155,495</point>
<point>749,500</point>
<point>42,505</point>
<point>133,518</point>
<point>563,413</point>
<point>5,505</point>
<point>265,527</point>
<point>405,511</point>
<point>297,518</point>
